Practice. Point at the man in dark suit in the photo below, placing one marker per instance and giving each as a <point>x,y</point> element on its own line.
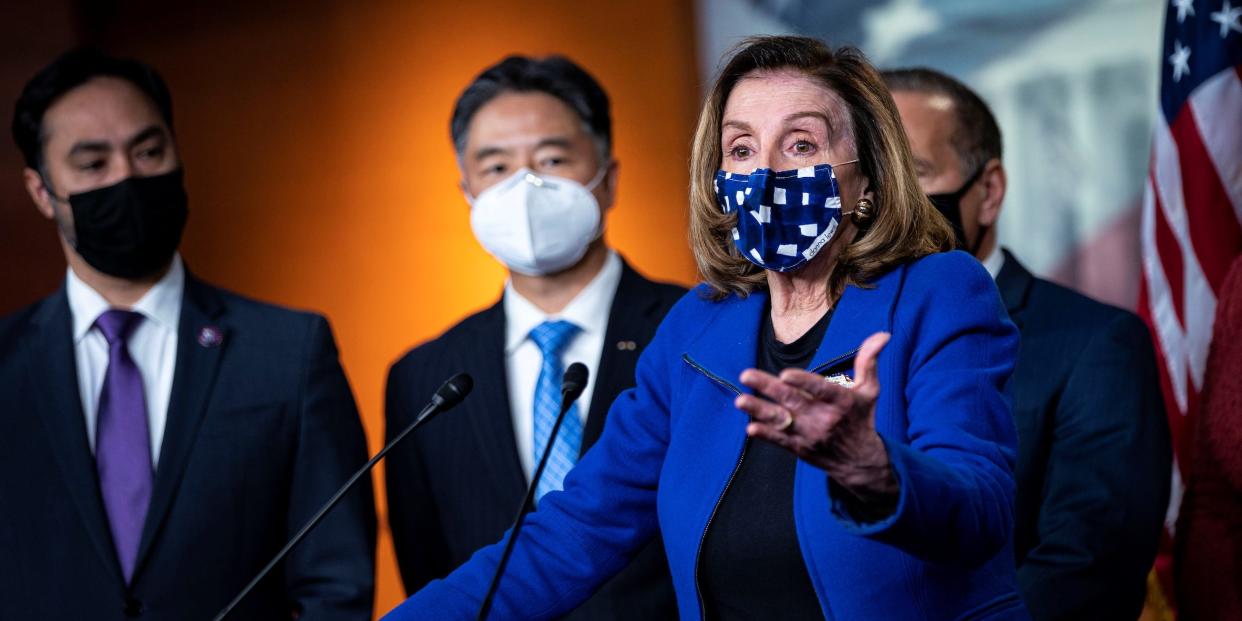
<point>1094,460</point>
<point>533,141</point>
<point>160,439</point>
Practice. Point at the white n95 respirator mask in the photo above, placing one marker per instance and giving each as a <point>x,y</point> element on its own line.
<point>537,224</point>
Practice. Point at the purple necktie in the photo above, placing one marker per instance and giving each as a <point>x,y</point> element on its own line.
<point>122,443</point>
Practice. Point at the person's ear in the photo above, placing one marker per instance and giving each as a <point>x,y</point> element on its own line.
<point>993,182</point>
<point>39,193</point>
<point>865,189</point>
<point>608,185</point>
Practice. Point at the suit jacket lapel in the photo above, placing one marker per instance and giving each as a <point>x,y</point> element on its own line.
<point>631,319</point>
<point>1014,282</point>
<point>58,404</point>
<point>490,411</point>
<point>201,341</point>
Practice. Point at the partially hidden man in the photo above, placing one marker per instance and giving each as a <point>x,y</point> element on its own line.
<point>533,139</point>
<point>1094,458</point>
<point>160,438</point>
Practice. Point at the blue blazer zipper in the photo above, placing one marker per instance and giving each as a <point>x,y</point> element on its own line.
<point>730,386</point>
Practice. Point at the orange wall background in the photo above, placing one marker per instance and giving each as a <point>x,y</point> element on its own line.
<point>320,170</point>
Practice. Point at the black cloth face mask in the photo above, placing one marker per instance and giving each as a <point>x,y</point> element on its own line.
<point>950,204</point>
<point>132,228</point>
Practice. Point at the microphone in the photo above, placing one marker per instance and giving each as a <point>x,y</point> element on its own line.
<point>572,384</point>
<point>447,396</point>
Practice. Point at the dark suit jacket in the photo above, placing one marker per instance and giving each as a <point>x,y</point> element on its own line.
<point>454,486</point>
<point>1094,460</point>
<point>261,430</point>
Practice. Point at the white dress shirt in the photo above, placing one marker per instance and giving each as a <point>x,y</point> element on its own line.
<point>994,261</point>
<point>589,310</point>
<point>153,346</point>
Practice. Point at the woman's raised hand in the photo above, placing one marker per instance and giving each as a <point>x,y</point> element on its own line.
<point>823,423</point>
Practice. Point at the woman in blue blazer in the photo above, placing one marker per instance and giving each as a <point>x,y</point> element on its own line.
<point>866,486</point>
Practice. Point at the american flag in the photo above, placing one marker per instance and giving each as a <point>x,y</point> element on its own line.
<point>1192,205</point>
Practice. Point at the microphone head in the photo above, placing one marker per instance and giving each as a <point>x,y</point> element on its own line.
<point>454,390</point>
<point>575,380</point>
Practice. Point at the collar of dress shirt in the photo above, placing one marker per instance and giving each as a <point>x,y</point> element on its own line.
<point>994,261</point>
<point>161,305</point>
<point>588,310</point>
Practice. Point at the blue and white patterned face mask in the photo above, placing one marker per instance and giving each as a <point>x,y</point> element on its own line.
<point>784,218</point>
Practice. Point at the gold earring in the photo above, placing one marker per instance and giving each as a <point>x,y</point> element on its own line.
<point>864,211</point>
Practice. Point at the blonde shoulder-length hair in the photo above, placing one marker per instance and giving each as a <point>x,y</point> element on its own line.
<point>905,226</point>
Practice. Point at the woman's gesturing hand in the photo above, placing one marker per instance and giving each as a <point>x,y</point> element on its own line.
<point>825,424</point>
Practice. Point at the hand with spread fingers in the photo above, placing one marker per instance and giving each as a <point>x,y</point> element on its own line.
<point>825,424</point>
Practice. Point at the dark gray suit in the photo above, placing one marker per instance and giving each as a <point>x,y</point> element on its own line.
<point>261,430</point>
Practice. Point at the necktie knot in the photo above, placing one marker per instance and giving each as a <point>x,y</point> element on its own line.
<point>552,336</point>
<point>117,325</point>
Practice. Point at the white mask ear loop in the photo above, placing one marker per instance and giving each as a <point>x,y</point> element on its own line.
<point>590,187</point>
<point>853,161</point>
<point>599,176</point>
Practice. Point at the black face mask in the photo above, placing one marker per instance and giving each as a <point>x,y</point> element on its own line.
<point>950,204</point>
<point>132,228</point>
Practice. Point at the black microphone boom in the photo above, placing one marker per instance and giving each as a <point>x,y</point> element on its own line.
<point>572,384</point>
<point>448,395</point>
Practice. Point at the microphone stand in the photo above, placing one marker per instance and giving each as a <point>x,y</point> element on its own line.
<point>571,388</point>
<point>450,394</point>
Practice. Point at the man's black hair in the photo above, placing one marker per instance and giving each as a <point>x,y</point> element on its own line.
<point>977,138</point>
<point>555,75</point>
<point>69,71</point>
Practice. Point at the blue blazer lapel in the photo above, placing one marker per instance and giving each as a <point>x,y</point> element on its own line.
<point>730,343</point>
<point>54,373</point>
<point>201,341</point>
<point>859,313</point>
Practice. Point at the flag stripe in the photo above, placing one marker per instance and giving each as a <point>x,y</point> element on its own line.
<point>1212,224</point>
<point>1159,307</point>
<point>1198,299</point>
<point>1170,255</point>
<point>1217,106</point>
<point>1167,179</point>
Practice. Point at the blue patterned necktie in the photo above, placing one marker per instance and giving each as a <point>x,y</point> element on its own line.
<point>122,443</point>
<point>551,337</point>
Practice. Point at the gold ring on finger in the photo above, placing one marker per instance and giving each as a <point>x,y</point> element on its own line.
<point>786,424</point>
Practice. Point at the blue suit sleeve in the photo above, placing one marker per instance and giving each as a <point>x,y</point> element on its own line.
<point>580,537</point>
<point>955,465</point>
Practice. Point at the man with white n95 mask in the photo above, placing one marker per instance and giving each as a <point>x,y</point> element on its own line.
<point>533,139</point>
